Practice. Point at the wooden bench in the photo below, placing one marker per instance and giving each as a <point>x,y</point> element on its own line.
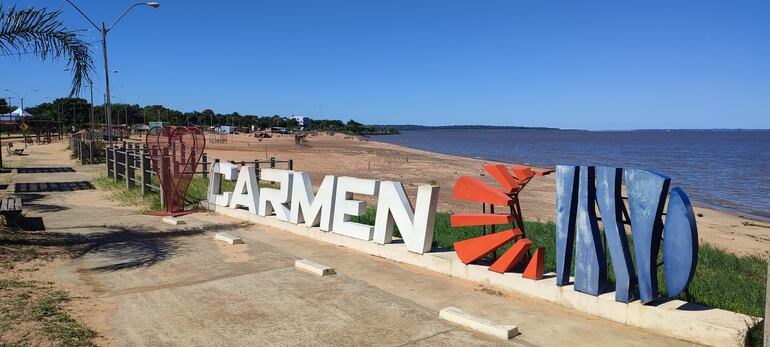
<point>10,209</point>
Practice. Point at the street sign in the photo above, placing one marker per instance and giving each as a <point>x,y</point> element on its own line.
<point>23,126</point>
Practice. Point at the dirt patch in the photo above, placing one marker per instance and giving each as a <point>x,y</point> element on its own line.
<point>487,290</point>
<point>234,253</point>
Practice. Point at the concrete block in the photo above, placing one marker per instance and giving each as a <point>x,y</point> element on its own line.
<point>603,305</point>
<point>172,220</point>
<point>479,324</point>
<point>313,268</point>
<point>233,240</point>
<point>691,322</point>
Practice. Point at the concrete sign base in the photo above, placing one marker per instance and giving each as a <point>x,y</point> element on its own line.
<point>675,318</point>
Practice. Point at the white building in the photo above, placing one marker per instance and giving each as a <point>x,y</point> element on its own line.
<point>303,122</point>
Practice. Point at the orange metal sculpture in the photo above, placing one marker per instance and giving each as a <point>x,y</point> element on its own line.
<point>472,189</point>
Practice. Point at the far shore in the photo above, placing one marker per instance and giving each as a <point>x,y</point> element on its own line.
<point>343,155</point>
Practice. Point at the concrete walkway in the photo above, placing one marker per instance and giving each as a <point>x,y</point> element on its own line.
<point>157,284</point>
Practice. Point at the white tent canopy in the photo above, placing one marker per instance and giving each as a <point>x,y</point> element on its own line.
<point>18,113</point>
<point>15,115</point>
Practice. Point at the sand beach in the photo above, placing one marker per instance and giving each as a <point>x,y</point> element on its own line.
<point>343,155</point>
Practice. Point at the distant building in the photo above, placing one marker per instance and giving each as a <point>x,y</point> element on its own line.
<point>280,130</point>
<point>225,129</point>
<point>303,122</point>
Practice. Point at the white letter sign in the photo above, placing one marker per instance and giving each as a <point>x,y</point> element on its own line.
<point>218,171</point>
<point>276,198</point>
<point>345,208</point>
<point>246,191</point>
<point>310,208</point>
<point>416,227</point>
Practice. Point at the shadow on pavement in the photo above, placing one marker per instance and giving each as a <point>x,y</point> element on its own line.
<point>122,247</point>
<point>44,169</point>
<point>52,187</point>
<point>32,203</point>
<point>30,223</point>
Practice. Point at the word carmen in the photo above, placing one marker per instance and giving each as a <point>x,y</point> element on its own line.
<point>331,207</point>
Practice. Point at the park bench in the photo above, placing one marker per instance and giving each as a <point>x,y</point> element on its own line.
<point>15,151</point>
<point>10,209</point>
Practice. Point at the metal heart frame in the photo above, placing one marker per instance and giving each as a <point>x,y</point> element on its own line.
<point>174,154</point>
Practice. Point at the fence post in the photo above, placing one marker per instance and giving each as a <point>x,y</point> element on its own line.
<point>129,168</point>
<point>80,152</point>
<point>107,159</point>
<point>146,174</point>
<point>205,164</point>
<point>91,152</point>
<point>115,160</point>
<point>257,170</point>
<point>291,164</point>
<point>110,156</point>
<point>163,170</point>
<point>767,308</point>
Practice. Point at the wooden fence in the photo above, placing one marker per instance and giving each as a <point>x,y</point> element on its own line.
<point>86,151</point>
<point>131,163</point>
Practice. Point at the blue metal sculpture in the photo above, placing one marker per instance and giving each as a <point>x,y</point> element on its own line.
<point>646,196</point>
<point>580,189</point>
<point>608,196</point>
<point>566,209</point>
<point>680,243</point>
<point>590,261</point>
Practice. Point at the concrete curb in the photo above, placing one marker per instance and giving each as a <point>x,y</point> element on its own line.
<point>313,268</point>
<point>233,240</point>
<point>172,220</point>
<point>674,318</point>
<point>455,315</point>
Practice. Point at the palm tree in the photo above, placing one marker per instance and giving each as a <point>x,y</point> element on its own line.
<point>39,32</point>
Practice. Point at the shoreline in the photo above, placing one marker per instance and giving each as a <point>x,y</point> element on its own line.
<point>756,216</point>
<point>702,204</point>
<point>334,155</point>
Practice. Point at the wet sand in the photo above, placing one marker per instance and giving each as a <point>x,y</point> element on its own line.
<point>346,156</point>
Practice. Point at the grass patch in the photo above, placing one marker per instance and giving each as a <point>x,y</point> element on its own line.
<point>722,280</point>
<point>33,313</point>
<point>196,193</point>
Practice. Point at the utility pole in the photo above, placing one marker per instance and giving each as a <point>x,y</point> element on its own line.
<point>104,30</point>
<point>91,115</point>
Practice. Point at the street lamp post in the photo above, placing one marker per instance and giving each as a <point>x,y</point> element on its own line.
<point>104,30</point>
<point>21,98</point>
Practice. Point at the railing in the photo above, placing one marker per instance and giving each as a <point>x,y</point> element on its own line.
<point>259,164</point>
<point>131,162</point>
<point>86,151</point>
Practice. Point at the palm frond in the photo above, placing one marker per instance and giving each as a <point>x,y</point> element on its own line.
<point>39,31</point>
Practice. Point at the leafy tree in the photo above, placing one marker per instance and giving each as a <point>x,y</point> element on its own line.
<point>4,107</point>
<point>40,32</point>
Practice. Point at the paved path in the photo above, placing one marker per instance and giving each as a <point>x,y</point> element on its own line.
<point>156,284</point>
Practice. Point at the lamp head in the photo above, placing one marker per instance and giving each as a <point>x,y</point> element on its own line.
<point>153,4</point>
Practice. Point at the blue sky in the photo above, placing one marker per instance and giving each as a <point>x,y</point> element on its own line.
<point>569,64</point>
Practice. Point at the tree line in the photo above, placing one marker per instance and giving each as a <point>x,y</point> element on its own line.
<point>76,111</point>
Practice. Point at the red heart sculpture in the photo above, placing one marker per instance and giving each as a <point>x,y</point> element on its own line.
<point>175,153</point>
